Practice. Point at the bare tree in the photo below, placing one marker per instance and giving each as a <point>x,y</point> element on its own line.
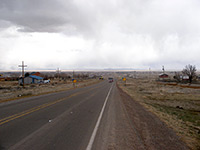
<point>177,76</point>
<point>190,71</point>
<point>27,74</point>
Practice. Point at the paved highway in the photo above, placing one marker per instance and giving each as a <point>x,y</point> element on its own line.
<point>64,120</point>
<point>97,117</point>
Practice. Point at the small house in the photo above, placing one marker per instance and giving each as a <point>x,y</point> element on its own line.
<point>32,79</point>
<point>185,77</point>
<point>163,76</point>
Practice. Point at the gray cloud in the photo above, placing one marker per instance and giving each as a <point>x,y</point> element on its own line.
<point>144,32</point>
<point>156,17</point>
<point>38,15</point>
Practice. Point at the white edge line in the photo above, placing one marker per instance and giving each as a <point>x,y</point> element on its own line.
<point>89,146</point>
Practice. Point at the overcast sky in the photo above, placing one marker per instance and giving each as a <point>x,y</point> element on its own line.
<point>97,34</point>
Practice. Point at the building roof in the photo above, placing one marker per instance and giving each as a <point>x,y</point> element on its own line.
<point>36,77</point>
<point>163,75</point>
<point>35,73</point>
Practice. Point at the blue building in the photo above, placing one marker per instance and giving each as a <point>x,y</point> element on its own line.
<point>32,79</point>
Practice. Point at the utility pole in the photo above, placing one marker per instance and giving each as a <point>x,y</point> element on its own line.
<point>23,66</point>
<point>163,69</point>
<point>58,73</point>
<point>149,73</point>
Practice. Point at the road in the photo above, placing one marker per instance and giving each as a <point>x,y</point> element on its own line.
<point>97,117</point>
<point>63,120</point>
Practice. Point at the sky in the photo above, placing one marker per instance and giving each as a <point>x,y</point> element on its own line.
<point>96,34</point>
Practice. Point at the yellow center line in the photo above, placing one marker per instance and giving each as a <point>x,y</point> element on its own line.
<point>26,112</point>
<point>7,119</point>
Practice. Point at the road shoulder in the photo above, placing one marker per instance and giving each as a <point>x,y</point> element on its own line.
<point>153,132</point>
<point>115,131</point>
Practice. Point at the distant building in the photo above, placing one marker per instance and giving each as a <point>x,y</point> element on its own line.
<point>31,79</point>
<point>185,77</point>
<point>163,76</point>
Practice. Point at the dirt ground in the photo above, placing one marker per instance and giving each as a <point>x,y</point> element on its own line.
<point>10,90</point>
<point>176,105</point>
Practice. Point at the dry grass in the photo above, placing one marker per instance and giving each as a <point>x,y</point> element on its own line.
<point>178,106</point>
<point>10,90</point>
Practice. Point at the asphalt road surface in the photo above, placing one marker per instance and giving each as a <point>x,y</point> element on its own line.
<point>97,117</point>
<point>64,120</point>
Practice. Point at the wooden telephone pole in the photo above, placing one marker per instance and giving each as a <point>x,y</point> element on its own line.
<point>163,69</point>
<point>58,72</point>
<point>22,66</point>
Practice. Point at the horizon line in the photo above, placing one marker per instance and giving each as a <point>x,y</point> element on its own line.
<point>92,70</point>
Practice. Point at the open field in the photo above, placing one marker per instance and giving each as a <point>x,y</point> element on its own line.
<point>177,105</point>
<point>12,90</point>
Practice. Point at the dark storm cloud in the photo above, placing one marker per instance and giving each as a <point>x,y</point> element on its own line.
<point>66,16</point>
<point>156,18</point>
<point>41,15</point>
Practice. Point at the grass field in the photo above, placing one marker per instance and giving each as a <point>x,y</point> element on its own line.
<point>10,90</point>
<point>177,105</point>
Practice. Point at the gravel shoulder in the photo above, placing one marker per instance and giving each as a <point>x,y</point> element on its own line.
<point>115,131</point>
<point>151,130</point>
<point>128,125</point>
<point>178,107</point>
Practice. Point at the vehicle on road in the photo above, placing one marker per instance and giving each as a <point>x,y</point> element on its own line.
<point>46,81</point>
<point>110,79</point>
